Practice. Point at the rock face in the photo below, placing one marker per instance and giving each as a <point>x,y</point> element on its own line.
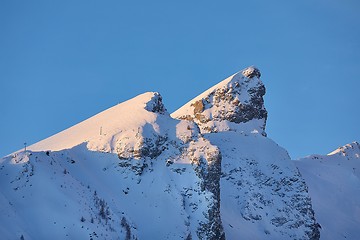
<point>207,162</point>
<point>205,172</point>
<point>235,104</point>
<point>251,72</point>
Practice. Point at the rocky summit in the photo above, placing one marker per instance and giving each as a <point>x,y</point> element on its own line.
<point>237,99</point>
<point>134,171</point>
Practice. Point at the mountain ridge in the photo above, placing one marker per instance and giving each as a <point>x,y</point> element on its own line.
<point>134,171</point>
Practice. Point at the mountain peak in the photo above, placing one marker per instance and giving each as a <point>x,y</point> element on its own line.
<point>155,103</point>
<point>251,72</point>
<point>235,104</point>
<point>348,150</point>
<point>101,131</point>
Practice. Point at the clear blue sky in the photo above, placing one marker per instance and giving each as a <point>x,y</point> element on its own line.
<point>64,61</point>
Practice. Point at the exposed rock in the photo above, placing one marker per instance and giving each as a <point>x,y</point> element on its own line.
<point>349,150</point>
<point>251,72</point>
<point>207,164</point>
<point>144,147</point>
<point>238,99</point>
<point>198,106</point>
<point>156,105</point>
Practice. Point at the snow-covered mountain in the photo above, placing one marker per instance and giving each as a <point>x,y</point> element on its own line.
<point>334,187</point>
<point>207,171</point>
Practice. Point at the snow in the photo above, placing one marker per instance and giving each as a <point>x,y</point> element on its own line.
<point>334,187</point>
<point>186,110</point>
<point>59,200</point>
<point>351,150</point>
<point>57,178</point>
<point>227,83</point>
<point>218,108</point>
<point>109,123</point>
<point>251,196</point>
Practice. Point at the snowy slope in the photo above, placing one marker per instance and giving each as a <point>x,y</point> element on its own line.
<point>263,196</point>
<point>144,177</point>
<point>334,187</point>
<point>143,115</point>
<point>46,196</point>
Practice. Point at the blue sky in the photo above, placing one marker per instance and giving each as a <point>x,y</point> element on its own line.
<point>64,61</point>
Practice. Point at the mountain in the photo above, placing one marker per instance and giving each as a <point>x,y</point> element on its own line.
<point>334,186</point>
<point>134,171</point>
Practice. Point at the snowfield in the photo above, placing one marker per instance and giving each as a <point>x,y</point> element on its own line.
<point>334,187</point>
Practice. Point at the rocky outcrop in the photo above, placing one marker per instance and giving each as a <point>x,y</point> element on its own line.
<point>230,105</point>
<point>155,104</point>
<point>150,138</point>
<point>251,72</point>
<point>350,150</point>
<point>144,147</point>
